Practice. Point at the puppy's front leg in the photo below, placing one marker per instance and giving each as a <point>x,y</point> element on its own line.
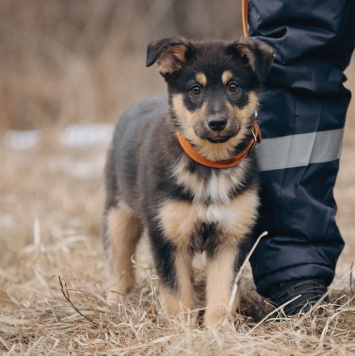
<point>174,268</point>
<point>180,297</point>
<point>220,278</point>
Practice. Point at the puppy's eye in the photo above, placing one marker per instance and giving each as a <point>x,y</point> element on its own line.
<point>233,86</point>
<point>195,89</point>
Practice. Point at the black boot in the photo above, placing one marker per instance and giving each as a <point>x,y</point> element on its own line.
<point>310,291</point>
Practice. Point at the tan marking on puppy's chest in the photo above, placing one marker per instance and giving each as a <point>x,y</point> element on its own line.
<point>179,219</point>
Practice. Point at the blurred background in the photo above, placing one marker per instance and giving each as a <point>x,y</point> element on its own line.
<point>79,61</point>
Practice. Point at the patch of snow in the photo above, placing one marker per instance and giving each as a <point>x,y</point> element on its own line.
<point>7,220</point>
<point>22,140</point>
<point>85,135</point>
<point>82,170</point>
<point>74,135</point>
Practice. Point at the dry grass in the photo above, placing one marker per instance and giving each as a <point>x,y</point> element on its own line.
<point>82,323</point>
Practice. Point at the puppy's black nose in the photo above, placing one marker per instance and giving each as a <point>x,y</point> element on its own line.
<point>217,123</point>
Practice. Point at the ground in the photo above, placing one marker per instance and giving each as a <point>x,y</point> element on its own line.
<point>53,271</point>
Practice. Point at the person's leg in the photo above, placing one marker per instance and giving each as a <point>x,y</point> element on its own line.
<point>302,115</point>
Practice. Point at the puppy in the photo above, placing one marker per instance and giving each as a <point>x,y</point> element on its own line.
<point>182,168</point>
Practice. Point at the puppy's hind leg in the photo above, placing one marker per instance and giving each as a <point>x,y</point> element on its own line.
<point>122,232</point>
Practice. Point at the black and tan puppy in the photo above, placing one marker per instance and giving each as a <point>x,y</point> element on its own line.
<point>182,168</point>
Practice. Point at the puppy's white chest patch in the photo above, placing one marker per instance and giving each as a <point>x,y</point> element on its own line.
<point>216,188</point>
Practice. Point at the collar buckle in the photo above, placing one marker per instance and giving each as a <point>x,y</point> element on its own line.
<point>255,131</point>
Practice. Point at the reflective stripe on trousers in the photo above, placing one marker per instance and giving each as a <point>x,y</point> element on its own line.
<point>299,150</point>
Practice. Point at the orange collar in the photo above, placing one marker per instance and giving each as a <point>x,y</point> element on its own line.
<point>227,163</point>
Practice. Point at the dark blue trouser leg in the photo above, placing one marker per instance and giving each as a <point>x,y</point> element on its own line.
<point>302,115</point>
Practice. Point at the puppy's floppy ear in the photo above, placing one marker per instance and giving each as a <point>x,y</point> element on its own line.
<point>259,55</point>
<point>169,53</point>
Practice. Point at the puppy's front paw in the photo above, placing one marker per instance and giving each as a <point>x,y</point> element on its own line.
<point>215,315</point>
<point>113,298</point>
<point>118,291</point>
<point>173,305</point>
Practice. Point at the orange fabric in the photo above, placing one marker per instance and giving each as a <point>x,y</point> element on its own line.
<point>245,17</point>
<point>228,163</point>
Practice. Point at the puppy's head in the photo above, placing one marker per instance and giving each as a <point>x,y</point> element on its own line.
<point>213,89</point>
